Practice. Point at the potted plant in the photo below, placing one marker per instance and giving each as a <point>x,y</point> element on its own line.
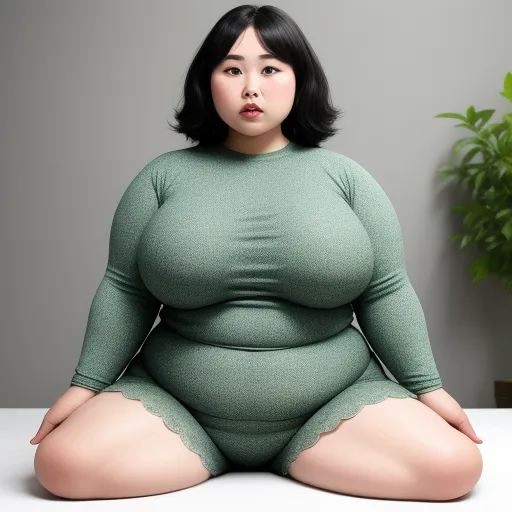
<point>486,169</point>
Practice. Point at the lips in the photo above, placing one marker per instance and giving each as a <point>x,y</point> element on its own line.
<point>251,106</point>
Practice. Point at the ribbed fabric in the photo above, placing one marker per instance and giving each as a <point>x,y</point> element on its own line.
<point>259,262</point>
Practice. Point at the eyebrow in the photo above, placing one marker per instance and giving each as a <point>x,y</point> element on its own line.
<point>240,57</point>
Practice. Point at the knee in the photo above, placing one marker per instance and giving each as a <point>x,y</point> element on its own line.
<point>60,470</point>
<point>454,471</point>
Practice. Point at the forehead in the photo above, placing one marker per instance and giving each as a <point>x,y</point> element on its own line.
<point>248,45</point>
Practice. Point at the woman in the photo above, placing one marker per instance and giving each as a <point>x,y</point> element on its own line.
<point>260,245</point>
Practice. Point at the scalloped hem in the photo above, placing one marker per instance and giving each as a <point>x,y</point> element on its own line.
<point>309,434</point>
<point>216,465</point>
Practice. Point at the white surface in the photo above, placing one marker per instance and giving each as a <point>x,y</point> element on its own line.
<point>250,491</point>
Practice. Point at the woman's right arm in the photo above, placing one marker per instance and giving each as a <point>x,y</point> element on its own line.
<point>123,310</point>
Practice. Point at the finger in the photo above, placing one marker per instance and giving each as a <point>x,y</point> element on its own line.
<point>45,428</point>
<point>466,428</point>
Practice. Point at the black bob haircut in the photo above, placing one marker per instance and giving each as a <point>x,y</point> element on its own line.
<point>312,116</point>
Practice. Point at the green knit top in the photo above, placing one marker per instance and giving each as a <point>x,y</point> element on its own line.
<point>255,252</point>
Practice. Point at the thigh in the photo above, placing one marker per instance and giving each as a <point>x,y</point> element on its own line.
<point>131,428</point>
<point>397,448</point>
<point>371,387</point>
<point>115,441</point>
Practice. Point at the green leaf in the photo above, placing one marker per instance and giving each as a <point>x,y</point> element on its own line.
<point>469,219</point>
<point>451,115</point>
<point>461,143</point>
<point>456,237</point>
<point>507,230</point>
<point>471,114</point>
<point>466,239</point>
<point>476,165</point>
<point>478,182</point>
<point>480,265</point>
<point>504,212</point>
<point>447,170</point>
<point>507,95</point>
<point>502,169</point>
<point>481,233</point>
<point>503,143</point>
<point>494,128</point>
<point>460,207</point>
<point>468,126</point>
<point>507,85</point>
<point>493,245</point>
<point>484,115</point>
<point>469,155</point>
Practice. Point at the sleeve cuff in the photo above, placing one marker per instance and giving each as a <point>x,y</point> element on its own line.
<point>433,387</point>
<point>88,382</point>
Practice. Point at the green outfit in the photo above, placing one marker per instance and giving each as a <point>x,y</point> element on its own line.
<point>259,262</point>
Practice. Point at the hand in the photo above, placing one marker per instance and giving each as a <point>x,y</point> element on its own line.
<point>450,410</point>
<point>72,399</point>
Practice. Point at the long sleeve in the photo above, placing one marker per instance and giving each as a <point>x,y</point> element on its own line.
<point>123,310</point>
<point>389,311</point>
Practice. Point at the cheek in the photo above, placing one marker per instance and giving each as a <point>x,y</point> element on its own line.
<point>282,87</point>
<point>281,93</point>
<point>220,91</point>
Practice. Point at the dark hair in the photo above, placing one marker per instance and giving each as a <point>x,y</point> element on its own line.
<point>312,116</point>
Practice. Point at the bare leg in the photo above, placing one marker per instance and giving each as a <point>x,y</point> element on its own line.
<point>111,447</point>
<point>396,449</point>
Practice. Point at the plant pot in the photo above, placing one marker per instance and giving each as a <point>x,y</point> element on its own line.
<point>503,392</point>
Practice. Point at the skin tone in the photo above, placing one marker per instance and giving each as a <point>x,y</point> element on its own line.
<point>269,82</point>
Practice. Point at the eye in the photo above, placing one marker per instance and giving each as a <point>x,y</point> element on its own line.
<point>267,67</point>
<point>271,67</point>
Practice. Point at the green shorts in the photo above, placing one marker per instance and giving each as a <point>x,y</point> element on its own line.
<point>250,445</point>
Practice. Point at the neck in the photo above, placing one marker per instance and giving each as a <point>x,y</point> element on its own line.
<point>264,143</point>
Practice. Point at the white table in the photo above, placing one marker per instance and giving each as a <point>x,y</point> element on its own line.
<point>250,491</point>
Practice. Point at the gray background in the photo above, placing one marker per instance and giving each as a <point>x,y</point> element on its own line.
<point>87,88</point>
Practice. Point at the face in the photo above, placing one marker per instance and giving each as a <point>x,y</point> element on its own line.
<point>269,83</point>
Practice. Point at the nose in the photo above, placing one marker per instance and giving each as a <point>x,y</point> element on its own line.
<point>251,89</point>
<point>250,93</point>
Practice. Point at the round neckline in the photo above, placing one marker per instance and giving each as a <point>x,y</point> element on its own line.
<point>224,150</point>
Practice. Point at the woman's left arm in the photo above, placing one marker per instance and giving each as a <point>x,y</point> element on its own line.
<point>389,311</point>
